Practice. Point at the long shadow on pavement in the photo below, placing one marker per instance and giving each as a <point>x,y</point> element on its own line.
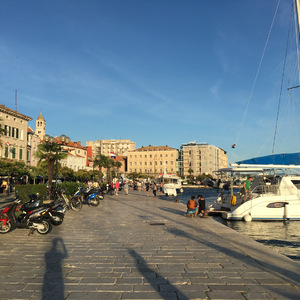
<point>230,252</point>
<point>147,272</point>
<point>53,284</point>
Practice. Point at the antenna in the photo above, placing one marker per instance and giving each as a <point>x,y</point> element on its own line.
<point>16,100</point>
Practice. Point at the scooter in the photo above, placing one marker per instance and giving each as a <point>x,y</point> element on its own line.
<point>90,195</point>
<point>56,210</point>
<point>30,218</point>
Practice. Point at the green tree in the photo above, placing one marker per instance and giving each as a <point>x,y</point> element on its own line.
<point>66,172</point>
<point>50,152</point>
<point>12,168</point>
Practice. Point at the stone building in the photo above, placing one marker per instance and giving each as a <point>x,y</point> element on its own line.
<point>105,147</point>
<point>201,158</point>
<point>152,160</point>
<point>14,142</point>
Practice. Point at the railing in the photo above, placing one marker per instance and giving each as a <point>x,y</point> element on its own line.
<point>266,189</point>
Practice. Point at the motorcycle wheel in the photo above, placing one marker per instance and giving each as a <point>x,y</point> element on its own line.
<point>5,228</point>
<point>95,202</point>
<point>76,204</point>
<point>58,221</point>
<point>47,227</point>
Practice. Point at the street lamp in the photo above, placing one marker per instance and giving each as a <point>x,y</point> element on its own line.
<point>63,139</point>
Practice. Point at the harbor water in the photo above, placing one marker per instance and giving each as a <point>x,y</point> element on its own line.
<point>282,236</point>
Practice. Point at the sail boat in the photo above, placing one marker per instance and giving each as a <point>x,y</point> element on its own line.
<point>275,194</point>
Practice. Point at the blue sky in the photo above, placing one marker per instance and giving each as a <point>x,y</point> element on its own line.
<point>159,72</point>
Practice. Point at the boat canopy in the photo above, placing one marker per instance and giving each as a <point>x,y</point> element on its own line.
<point>286,159</point>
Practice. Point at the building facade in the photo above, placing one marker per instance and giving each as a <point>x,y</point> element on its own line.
<point>201,158</point>
<point>15,140</point>
<point>105,147</point>
<point>33,141</point>
<point>77,155</point>
<point>152,160</point>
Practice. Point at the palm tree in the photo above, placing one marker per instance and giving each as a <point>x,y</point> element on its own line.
<point>51,153</point>
<point>190,170</point>
<point>108,165</point>
<point>100,161</point>
<point>118,165</point>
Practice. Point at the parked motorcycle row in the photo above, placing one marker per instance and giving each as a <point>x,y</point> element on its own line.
<point>33,215</point>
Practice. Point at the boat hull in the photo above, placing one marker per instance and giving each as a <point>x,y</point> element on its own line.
<point>266,209</point>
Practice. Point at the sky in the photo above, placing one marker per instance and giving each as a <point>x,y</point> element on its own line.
<point>157,72</point>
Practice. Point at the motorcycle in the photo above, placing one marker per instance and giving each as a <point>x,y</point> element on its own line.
<point>91,196</point>
<point>74,203</point>
<point>30,218</point>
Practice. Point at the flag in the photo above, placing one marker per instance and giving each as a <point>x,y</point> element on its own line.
<point>8,144</point>
<point>112,155</point>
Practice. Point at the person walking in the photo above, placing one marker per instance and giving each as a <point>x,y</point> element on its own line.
<point>4,185</point>
<point>147,187</point>
<point>126,187</point>
<point>154,188</point>
<point>117,186</point>
<point>161,187</point>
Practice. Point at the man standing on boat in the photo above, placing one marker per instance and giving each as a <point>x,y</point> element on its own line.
<point>246,190</point>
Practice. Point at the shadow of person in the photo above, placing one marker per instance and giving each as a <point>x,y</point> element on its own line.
<point>53,284</point>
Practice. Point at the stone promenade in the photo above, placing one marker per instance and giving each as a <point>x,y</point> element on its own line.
<point>134,247</point>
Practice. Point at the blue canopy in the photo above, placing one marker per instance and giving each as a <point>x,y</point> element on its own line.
<point>274,159</point>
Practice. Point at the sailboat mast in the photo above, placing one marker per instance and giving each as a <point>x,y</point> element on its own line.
<point>298,14</point>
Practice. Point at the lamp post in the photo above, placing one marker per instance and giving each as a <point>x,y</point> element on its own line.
<point>63,139</point>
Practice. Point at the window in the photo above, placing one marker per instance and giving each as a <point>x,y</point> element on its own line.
<point>13,152</point>
<point>21,154</point>
<point>6,151</point>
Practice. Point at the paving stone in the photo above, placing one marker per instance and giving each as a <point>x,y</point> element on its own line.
<point>224,295</point>
<point>108,257</point>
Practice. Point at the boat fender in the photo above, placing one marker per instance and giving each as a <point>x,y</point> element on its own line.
<point>247,218</point>
<point>286,211</point>
<point>233,200</point>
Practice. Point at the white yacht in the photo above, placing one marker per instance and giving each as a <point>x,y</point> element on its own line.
<point>275,195</point>
<point>172,184</point>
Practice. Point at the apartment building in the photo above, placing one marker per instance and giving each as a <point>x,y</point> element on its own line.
<point>105,147</point>
<point>152,160</point>
<point>201,158</point>
<point>15,140</point>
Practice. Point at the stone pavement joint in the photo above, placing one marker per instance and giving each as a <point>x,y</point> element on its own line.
<point>138,247</point>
